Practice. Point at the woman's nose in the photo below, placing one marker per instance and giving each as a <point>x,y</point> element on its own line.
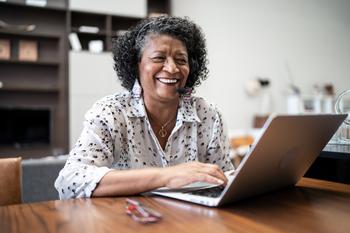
<point>170,66</point>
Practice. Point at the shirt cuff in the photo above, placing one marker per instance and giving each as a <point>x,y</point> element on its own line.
<point>99,173</point>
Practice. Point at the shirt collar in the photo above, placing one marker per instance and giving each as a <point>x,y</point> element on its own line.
<point>187,111</point>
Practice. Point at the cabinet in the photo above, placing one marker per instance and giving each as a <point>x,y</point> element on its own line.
<point>34,92</point>
<point>332,164</point>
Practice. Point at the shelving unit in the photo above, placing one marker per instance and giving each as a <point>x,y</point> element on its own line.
<point>15,61</point>
<point>51,4</point>
<point>42,84</point>
<point>34,86</point>
<point>106,25</point>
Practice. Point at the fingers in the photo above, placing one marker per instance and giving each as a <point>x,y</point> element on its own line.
<point>187,173</point>
<point>209,173</point>
<point>215,171</point>
<point>197,177</point>
<point>209,179</point>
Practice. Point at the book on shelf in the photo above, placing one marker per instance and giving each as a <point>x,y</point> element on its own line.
<point>41,3</point>
<point>88,29</point>
<point>74,41</point>
<point>28,50</point>
<point>5,49</point>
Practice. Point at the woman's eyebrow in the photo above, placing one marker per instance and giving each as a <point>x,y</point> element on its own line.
<point>158,51</point>
<point>176,52</point>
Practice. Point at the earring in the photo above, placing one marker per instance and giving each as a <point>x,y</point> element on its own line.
<point>136,89</point>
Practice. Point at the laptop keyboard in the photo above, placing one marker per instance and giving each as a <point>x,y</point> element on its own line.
<point>210,192</point>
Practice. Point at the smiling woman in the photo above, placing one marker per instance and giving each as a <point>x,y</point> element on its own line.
<point>155,134</point>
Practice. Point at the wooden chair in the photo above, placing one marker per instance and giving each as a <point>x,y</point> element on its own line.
<point>10,181</point>
<point>259,121</point>
<point>240,145</point>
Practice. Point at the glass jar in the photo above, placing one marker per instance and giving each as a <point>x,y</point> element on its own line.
<point>342,106</point>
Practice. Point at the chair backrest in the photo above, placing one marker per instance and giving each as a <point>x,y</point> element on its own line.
<point>38,178</point>
<point>10,181</point>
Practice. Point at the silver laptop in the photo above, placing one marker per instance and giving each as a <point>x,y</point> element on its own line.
<point>282,154</point>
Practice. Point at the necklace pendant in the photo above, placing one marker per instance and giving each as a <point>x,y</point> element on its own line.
<point>162,132</point>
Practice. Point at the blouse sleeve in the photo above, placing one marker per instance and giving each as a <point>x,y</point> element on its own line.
<point>218,151</point>
<point>92,156</point>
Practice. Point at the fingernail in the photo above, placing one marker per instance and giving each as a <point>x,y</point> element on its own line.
<point>220,181</point>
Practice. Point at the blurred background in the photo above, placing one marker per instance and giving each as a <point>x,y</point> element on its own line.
<point>265,56</point>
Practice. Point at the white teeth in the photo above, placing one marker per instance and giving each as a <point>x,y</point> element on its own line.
<point>166,80</point>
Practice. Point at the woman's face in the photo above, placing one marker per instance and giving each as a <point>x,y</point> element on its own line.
<point>163,68</point>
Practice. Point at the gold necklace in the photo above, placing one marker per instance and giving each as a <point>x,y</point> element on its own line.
<point>163,132</point>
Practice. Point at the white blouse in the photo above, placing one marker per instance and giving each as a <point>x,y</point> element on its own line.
<point>117,135</point>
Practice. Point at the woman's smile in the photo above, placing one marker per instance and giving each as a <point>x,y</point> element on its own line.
<point>168,80</point>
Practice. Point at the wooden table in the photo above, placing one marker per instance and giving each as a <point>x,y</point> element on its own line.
<point>311,206</point>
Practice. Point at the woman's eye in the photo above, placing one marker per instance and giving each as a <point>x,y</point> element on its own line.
<point>181,61</point>
<point>158,59</point>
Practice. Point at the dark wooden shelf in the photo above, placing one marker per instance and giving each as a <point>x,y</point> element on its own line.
<point>58,7</point>
<point>31,34</point>
<point>126,18</point>
<point>43,83</point>
<point>26,150</point>
<point>35,63</point>
<point>30,89</point>
<point>99,33</point>
<point>158,6</point>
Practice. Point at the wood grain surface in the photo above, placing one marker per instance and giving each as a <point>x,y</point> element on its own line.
<point>311,206</point>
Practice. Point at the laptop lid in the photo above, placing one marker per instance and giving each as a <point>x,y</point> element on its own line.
<point>284,152</point>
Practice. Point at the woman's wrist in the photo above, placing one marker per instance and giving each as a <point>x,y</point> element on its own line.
<point>164,176</point>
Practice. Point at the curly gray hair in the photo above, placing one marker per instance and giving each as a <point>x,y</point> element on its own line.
<point>127,49</point>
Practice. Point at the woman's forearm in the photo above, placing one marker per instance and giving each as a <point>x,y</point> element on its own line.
<point>129,182</point>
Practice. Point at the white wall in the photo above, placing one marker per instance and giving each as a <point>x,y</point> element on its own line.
<point>91,77</point>
<point>249,38</point>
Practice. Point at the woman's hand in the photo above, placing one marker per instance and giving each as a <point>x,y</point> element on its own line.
<point>186,173</point>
